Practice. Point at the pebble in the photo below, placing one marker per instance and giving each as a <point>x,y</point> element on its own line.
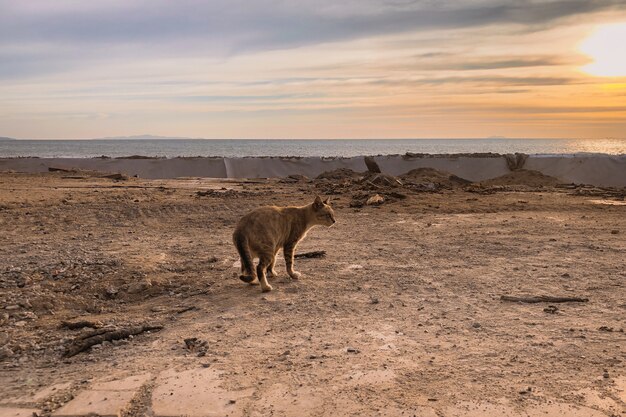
<point>476,325</point>
<point>352,350</point>
<point>5,352</point>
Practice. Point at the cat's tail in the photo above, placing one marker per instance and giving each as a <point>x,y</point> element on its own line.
<point>241,244</point>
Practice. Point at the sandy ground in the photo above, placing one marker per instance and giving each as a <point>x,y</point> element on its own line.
<point>402,317</point>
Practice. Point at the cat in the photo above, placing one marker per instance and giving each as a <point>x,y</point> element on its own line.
<point>264,231</point>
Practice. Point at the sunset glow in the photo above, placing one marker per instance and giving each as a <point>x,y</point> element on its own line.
<point>608,49</point>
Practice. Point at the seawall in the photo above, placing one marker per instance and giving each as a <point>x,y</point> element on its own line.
<point>595,169</point>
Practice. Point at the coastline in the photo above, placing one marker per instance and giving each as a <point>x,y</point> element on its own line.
<point>594,169</point>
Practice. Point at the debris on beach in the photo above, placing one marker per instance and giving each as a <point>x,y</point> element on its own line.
<point>375,200</point>
<point>339,174</point>
<point>372,165</point>
<point>542,299</point>
<point>294,178</point>
<point>419,177</point>
<point>107,334</point>
<point>313,254</point>
<point>523,177</point>
<point>195,345</point>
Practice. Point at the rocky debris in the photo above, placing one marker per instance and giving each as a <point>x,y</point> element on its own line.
<point>375,200</point>
<point>432,179</point>
<point>551,309</point>
<point>615,193</point>
<point>195,345</point>
<point>116,177</point>
<point>138,287</point>
<point>523,177</point>
<point>339,175</point>
<point>294,179</point>
<point>5,353</point>
<point>382,180</point>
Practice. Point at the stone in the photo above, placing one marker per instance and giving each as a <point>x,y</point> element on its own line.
<point>375,200</point>
<point>195,393</point>
<point>102,403</point>
<point>5,353</point>
<point>17,412</point>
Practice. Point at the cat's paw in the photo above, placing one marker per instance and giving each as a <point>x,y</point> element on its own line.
<point>267,288</point>
<point>255,282</point>
<point>295,275</point>
<point>271,273</point>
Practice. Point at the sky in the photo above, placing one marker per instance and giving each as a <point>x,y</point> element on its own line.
<point>313,68</point>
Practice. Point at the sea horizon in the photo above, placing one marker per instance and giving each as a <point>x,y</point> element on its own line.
<point>188,147</point>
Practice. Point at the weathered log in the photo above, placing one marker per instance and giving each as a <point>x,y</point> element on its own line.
<point>81,344</point>
<point>79,325</point>
<point>371,165</point>
<point>314,254</point>
<point>543,299</point>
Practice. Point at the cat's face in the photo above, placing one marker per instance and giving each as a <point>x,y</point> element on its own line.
<point>324,214</point>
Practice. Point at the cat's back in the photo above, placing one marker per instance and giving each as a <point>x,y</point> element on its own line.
<point>267,217</point>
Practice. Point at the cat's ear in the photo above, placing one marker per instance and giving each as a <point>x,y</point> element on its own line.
<point>327,201</point>
<point>318,204</point>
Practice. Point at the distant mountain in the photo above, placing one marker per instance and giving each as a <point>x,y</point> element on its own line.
<point>141,137</point>
<point>5,138</point>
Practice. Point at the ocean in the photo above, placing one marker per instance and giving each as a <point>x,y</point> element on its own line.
<point>274,147</point>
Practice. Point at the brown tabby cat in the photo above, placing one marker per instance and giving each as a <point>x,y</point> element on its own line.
<point>264,231</point>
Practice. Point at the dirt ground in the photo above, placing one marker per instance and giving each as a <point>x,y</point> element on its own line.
<point>402,317</point>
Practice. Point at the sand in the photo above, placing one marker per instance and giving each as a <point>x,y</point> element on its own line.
<point>403,316</point>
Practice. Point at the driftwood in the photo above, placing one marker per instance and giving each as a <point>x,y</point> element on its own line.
<point>371,165</point>
<point>79,325</point>
<point>314,254</point>
<point>84,342</point>
<point>55,169</point>
<point>543,299</point>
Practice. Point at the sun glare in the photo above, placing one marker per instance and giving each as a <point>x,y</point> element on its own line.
<point>606,47</point>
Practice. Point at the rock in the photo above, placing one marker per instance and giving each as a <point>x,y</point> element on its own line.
<point>551,309</point>
<point>138,287</point>
<point>352,350</point>
<point>375,200</point>
<point>476,325</point>
<point>5,353</point>
<point>111,292</point>
<point>614,232</point>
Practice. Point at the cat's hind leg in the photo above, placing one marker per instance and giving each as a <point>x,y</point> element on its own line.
<point>264,262</point>
<point>271,272</point>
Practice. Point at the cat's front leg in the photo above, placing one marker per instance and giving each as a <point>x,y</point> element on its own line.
<point>289,250</point>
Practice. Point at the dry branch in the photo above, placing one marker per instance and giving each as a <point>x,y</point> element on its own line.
<point>543,299</point>
<point>83,343</point>
<point>79,325</point>
<point>314,254</point>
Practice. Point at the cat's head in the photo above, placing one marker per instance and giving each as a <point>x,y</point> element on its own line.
<point>323,212</point>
